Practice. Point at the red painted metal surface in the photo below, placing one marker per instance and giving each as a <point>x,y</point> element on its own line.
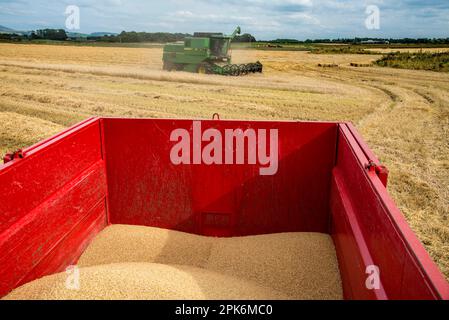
<point>44,199</point>
<point>66,189</point>
<point>368,229</point>
<point>145,188</point>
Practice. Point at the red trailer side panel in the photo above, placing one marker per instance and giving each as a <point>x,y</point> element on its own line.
<point>365,220</point>
<point>45,198</point>
<point>72,246</point>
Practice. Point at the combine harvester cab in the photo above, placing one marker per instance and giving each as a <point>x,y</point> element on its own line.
<point>57,195</point>
<point>207,53</point>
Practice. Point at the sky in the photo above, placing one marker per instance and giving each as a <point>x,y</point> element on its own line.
<point>266,20</point>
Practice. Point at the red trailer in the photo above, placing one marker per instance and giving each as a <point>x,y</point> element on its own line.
<point>57,195</point>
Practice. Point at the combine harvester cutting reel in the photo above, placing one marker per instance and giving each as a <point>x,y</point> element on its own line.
<point>237,69</point>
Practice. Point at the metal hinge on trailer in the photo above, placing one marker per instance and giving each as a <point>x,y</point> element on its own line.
<point>372,165</point>
<point>380,170</point>
<point>19,154</point>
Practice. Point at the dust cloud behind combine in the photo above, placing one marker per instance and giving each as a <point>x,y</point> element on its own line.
<point>402,114</point>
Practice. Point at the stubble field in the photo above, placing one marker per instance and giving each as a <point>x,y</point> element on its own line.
<point>402,114</point>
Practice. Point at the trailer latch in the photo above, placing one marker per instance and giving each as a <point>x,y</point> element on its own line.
<point>381,171</point>
<point>19,154</point>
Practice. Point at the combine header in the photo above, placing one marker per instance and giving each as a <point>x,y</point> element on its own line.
<point>206,53</point>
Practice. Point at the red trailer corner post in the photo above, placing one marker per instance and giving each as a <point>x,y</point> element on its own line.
<point>63,191</point>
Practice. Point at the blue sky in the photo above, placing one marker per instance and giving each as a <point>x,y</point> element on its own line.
<point>300,19</point>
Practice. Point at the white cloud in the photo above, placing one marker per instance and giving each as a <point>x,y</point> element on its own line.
<point>265,19</point>
<point>303,18</point>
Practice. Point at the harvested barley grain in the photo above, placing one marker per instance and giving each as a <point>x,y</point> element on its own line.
<point>124,243</point>
<point>135,262</point>
<point>144,281</point>
<point>301,265</point>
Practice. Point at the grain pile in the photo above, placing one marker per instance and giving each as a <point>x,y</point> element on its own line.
<point>146,281</point>
<point>132,262</point>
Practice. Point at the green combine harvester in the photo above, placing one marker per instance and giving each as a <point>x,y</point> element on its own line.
<point>206,53</point>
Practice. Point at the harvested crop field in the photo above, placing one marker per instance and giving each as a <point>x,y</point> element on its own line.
<point>403,114</point>
<point>132,262</point>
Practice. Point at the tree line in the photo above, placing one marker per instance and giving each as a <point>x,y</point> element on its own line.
<point>131,37</point>
<point>160,37</point>
<point>123,37</point>
<point>164,37</point>
<point>43,34</point>
<point>361,40</point>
